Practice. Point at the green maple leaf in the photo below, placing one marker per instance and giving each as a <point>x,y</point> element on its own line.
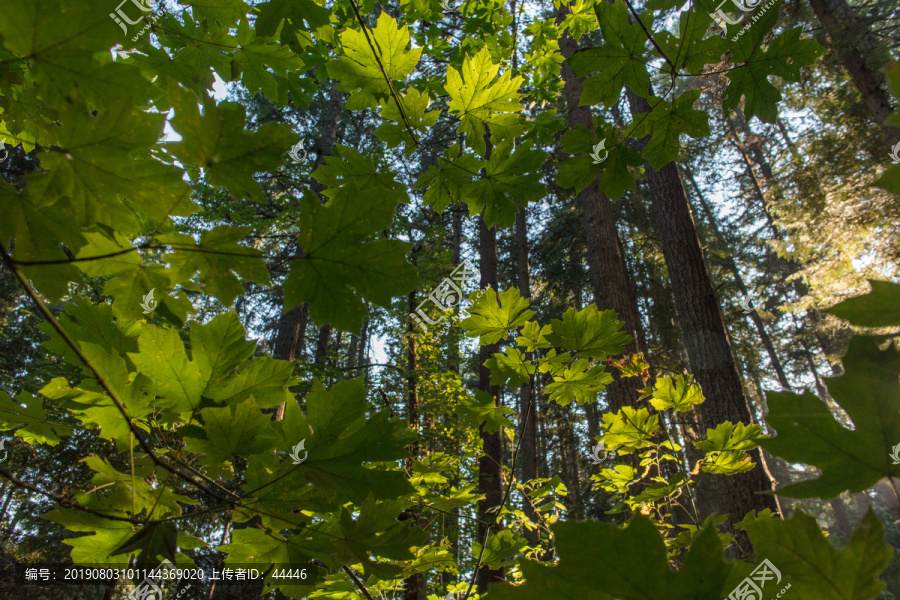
<point>814,568</point>
<point>449,180</point>
<point>37,429</point>
<point>335,541</point>
<point>580,171</point>
<point>101,162</point>
<point>630,428</point>
<point>106,535</point>
<point>589,332</point>
<point>40,229</point>
<point>293,13</point>
<point>239,429</point>
<point>225,13</point>
<point>190,65</point>
<point>359,70</point>
<point>578,381</point>
<point>483,410</point>
<point>600,560</point>
<point>119,490</point>
<point>691,48</point>
<point>890,179</point>
<point>491,317</point>
<point>500,545</point>
<point>727,447</point>
<point>235,430</point>
<point>67,49</point>
<point>132,279</point>
<point>415,114</point>
<point>783,57</point>
<point>478,100</point>
<point>878,308</point>
<point>156,542</point>
<point>339,262</point>
<point>219,368</point>
<point>256,55</point>
<point>217,141</point>
<point>340,436</point>
<point>620,59</point>
<point>349,174</point>
<point>218,257</point>
<point>869,392</point>
<point>510,368</point>
<point>667,122</point>
<point>511,181</point>
<point>680,393</point>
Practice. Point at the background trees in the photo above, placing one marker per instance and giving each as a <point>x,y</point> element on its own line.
<point>183,302</point>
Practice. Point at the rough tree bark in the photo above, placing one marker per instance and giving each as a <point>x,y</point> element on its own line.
<point>414,585</point>
<point>490,464</point>
<point>707,345</point>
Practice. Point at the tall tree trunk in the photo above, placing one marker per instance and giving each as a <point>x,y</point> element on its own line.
<point>706,342</point>
<point>352,351</point>
<point>739,280</point>
<point>527,409</point>
<point>452,520</point>
<point>362,361</point>
<point>858,50</point>
<point>414,585</point>
<point>609,281</point>
<point>323,343</point>
<point>291,331</point>
<point>490,464</point>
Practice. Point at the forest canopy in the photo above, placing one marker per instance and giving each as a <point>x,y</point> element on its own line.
<point>450,299</point>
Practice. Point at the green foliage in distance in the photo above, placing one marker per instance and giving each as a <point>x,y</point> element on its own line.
<point>182,405</point>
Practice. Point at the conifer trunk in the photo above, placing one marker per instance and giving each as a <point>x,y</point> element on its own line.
<point>526,405</point>
<point>706,341</point>
<point>414,585</point>
<point>490,464</point>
